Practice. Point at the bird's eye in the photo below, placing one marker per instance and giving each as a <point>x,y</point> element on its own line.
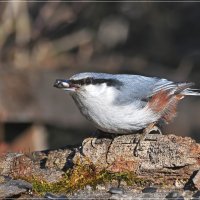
<point>88,81</point>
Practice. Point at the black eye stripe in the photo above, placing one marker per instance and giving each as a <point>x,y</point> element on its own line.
<point>84,81</point>
<point>87,81</point>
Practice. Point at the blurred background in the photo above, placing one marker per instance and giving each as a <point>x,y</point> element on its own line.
<point>43,41</point>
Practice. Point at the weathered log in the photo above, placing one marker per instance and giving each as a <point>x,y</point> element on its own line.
<point>169,159</point>
<point>167,154</point>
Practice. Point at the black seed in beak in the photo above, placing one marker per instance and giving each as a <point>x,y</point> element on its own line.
<point>61,84</point>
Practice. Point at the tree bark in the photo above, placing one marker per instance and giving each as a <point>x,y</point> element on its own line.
<point>168,157</point>
<point>167,154</point>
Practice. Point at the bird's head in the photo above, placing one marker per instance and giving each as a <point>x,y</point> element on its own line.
<point>93,83</point>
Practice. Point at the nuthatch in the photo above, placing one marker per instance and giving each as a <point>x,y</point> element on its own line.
<point>123,104</point>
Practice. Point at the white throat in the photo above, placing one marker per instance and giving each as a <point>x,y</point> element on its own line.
<point>100,92</point>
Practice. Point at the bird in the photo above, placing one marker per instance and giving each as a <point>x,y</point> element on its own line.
<point>126,103</point>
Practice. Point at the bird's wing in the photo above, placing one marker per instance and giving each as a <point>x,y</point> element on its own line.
<point>135,89</point>
<point>140,88</point>
<point>174,88</point>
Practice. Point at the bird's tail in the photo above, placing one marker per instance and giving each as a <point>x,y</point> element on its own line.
<point>184,89</point>
<point>191,92</point>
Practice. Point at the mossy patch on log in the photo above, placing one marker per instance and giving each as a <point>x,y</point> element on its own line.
<point>82,175</point>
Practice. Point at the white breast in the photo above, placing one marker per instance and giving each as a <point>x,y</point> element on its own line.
<point>97,103</point>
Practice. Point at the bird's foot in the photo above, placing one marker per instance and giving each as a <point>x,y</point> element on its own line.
<point>101,136</point>
<point>151,132</point>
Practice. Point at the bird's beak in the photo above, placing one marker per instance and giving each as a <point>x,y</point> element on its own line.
<point>64,84</point>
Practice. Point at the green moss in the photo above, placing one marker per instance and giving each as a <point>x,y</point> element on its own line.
<point>80,176</point>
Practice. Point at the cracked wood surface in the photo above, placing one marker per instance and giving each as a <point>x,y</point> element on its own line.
<point>170,156</point>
